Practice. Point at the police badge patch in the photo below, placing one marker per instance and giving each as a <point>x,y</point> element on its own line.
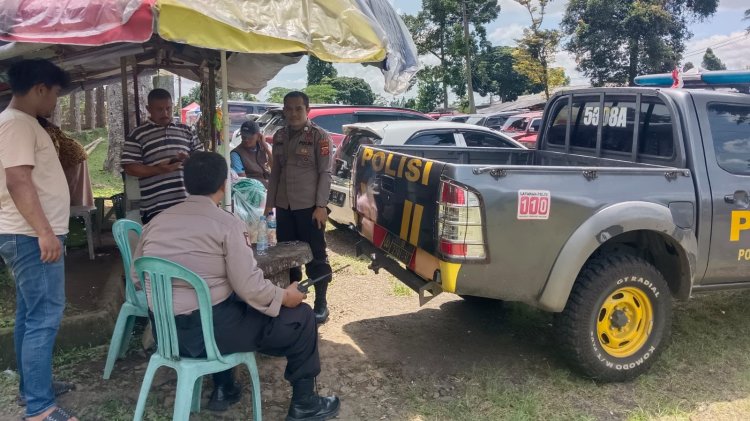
<point>325,148</point>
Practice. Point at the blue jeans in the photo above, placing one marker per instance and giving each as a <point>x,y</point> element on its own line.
<point>40,301</point>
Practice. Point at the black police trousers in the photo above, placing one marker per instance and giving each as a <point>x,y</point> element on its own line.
<point>240,328</point>
<point>298,225</point>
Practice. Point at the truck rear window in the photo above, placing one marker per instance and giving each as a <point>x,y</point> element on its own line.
<point>730,130</point>
<point>655,135</point>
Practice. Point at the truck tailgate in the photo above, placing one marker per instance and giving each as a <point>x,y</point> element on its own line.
<point>395,200</point>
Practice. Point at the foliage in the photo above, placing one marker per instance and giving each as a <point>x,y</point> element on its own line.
<point>747,17</point>
<point>351,90</point>
<point>321,94</point>
<point>317,70</point>
<point>711,61</point>
<point>239,96</point>
<point>438,30</point>
<point>689,65</point>
<point>277,94</point>
<point>495,75</point>
<point>429,93</point>
<point>194,95</point>
<point>536,50</point>
<point>616,40</point>
<point>103,183</point>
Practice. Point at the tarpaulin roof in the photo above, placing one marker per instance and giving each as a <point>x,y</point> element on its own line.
<point>270,33</point>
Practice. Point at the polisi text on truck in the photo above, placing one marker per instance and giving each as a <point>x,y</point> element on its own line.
<point>400,166</point>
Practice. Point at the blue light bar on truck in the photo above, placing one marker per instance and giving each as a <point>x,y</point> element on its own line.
<point>739,79</point>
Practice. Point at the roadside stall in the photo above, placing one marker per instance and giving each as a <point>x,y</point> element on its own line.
<point>241,45</point>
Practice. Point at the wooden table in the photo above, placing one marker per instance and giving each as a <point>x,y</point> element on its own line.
<point>277,261</point>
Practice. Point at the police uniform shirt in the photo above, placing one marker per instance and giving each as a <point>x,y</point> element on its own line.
<point>301,172</point>
<point>215,245</point>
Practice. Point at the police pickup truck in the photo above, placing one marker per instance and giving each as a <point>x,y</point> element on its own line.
<point>634,196</point>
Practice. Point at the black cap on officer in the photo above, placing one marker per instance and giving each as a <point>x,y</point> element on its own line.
<point>249,128</point>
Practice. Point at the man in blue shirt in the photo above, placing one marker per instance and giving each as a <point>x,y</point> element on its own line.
<point>252,158</point>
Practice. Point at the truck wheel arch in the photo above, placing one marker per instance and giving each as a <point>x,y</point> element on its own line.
<point>646,229</point>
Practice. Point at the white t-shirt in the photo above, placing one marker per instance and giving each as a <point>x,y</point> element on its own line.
<point>24,142</point>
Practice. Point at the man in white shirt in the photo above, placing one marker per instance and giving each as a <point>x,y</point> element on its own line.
<point>34,213</point>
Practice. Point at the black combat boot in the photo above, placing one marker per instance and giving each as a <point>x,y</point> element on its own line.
<point>321,305</point>
<point>309,406</point>
<point>226,392</point>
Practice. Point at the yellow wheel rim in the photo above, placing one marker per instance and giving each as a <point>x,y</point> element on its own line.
<point>624,322</point>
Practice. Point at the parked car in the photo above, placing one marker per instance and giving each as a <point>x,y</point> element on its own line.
<point>424,134</point>
<point>524,127</point>
<point>494,121</point>
<point>332,118</point>
<point>241,111</point>
<point>635,197</point>
<point>456,118</point>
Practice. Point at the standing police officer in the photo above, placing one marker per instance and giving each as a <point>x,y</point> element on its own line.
<point>299,187</point>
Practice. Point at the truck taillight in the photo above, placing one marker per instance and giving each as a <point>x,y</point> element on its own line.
<point>460,224</point>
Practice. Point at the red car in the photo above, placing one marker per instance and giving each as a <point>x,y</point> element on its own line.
<point>524,128</point>
<point>333,117</point>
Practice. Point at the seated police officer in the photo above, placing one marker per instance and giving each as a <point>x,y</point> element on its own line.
<point>250,313</point>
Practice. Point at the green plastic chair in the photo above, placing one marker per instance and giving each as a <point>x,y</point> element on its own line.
<point>135,304</point>
<point>189,370</point>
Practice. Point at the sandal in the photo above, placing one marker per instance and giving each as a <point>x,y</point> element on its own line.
<point>60,388</point>
<point>59,414</point>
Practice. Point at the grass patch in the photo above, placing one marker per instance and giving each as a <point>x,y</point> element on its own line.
<point>357,265</point>
<point>399,289</point>
<point>704,374</point>
<point>7,298</point>
<point>8,388</point>
<point>103,183</point>
<point>67,362</point>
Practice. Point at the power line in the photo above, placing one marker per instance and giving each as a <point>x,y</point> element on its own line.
<point>716,46</point>
<point>718,43</point>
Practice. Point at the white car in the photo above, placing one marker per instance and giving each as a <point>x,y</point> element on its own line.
<point>393,133</point>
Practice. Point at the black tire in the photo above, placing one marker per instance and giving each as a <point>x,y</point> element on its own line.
<point>593,352</point>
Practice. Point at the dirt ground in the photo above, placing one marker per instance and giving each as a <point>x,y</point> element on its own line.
<point>387,358</point>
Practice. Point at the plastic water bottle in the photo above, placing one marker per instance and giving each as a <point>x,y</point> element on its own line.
<point>261,247</point>
<point>271,233</point>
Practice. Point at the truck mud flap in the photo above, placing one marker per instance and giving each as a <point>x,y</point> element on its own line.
<point>427,290</point>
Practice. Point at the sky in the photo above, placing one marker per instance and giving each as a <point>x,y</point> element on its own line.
<point>724,32</point>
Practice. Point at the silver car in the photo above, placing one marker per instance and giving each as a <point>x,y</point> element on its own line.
<point>428,134</point>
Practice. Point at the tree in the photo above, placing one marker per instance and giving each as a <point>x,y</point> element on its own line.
<point>317,70</point>
<point>194,95</point>
<point>321,94</point>
<point>687,66</point>
<point>537,48</point>
<point>277,94</point>
<point>747,17</point>
<point>429,91</point>
<point>616,40</point>
<point>711,62</point>
<point>238,95</point>
<point>351,90</point>
<point>438,30</point>
<point>495,75</point>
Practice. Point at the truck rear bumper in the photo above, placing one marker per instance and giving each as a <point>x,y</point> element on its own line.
<point>427,290</point>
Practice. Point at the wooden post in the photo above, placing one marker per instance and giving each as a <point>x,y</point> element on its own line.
<point>211,104</point>
<point>136,97</point>
<point>88,109</point>
<point>101,110</point>
<point>125,112</point>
